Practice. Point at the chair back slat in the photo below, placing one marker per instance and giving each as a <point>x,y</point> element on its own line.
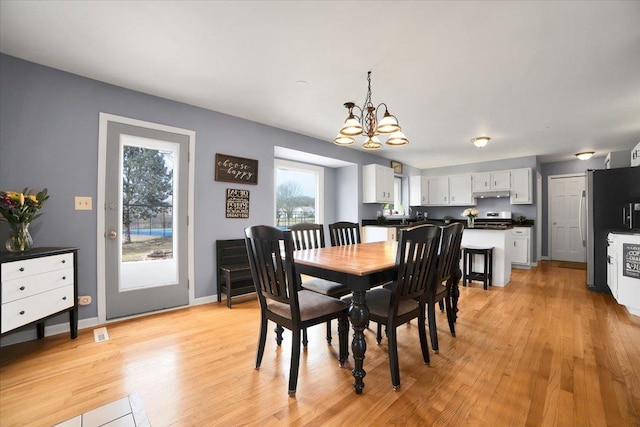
<point>344,233</point>
<point>272,269</point>
<point>307,236</point>
<point>416,262</point>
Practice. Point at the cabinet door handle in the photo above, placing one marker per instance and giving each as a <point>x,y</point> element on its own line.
<point>21,312</point>
<point>21,268</point>
<point>22,288</point>
<point>64,298</point>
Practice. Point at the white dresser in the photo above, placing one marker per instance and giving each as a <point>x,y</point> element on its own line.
<point>38,284</point>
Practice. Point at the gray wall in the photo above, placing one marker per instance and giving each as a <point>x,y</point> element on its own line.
<point>49,138</point>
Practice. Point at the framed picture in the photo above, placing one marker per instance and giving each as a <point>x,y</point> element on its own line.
<point>237,203</point>
<point>397,167</point>
<point>236,169</point>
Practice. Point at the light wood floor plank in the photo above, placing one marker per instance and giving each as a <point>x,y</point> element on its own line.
<point>542,351</point>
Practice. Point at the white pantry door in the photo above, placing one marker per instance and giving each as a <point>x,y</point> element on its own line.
<point>565,197</point>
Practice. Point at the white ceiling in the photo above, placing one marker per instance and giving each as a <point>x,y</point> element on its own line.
<point>540,78</point>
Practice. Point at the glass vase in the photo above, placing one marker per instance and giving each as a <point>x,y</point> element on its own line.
<point>470,222</point>
<point>19,238</point>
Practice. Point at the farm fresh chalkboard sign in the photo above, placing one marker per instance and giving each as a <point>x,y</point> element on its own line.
<point>236,169</point>
<point>237,203</point>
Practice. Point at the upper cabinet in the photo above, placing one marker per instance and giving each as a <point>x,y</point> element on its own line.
<point>521,186</point>
<point>377,184</point>
<point>460,190</point>
<point>492,181</point>
<point>418,191</point>
<point>440,190</point>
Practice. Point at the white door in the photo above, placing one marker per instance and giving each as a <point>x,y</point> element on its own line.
<point>146,233</point>
<point>565,196</point>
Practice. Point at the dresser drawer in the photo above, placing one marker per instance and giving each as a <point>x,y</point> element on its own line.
<point>35,284</point>
<point>27,267</point>
<point>26,310</point>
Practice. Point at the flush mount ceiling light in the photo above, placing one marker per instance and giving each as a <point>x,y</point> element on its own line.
<point>585,155</point>
<point>367,124</point>
<point>480,141</point>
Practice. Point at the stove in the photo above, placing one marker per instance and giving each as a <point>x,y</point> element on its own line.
<point>497,220</point>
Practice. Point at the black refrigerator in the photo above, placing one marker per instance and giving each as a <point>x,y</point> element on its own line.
<point>608,193</point>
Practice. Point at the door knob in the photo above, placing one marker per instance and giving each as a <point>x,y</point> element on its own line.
<point>112,234</point>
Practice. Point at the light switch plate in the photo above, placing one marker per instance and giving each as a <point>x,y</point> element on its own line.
<point>83,203</point>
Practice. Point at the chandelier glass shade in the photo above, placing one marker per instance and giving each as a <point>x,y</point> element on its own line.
<point>367,124</point>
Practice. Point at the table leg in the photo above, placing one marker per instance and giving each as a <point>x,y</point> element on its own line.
<point>359,316</point>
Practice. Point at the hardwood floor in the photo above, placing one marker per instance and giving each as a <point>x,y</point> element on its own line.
<point>544,351</point>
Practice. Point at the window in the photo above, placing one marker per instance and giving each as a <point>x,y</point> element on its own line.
<point>397,208</point>
<point>298,193</point>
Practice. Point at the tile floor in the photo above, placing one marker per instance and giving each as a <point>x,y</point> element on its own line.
<point>126,412</point>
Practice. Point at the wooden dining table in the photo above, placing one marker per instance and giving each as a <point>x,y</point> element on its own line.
<point>360,267</point>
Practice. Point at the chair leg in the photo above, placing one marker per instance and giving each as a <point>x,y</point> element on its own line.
<point>422,331</point>
<point>379,333</point>
<point>450,316</point>
<point>441,305</point>
<point>261,340</point>
<point>431,312</point>
<point>305,341</point>
<point>295,363</point>
<point>278,330</point>
<point>329,331</point>
<point>393,357</point>
<point>343,339</point>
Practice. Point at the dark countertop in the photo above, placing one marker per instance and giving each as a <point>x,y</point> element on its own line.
<point>411,221</point>
<point>633,232</point>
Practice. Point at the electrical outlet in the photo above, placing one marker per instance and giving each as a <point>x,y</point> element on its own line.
<point>83,203</point>
<point>84,299</point>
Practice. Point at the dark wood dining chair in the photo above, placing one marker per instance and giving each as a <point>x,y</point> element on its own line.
<point>270,252</point>
<point>416,265</point>
<point>439,290</point>
<point>344,233</point>
<point>311,236</point>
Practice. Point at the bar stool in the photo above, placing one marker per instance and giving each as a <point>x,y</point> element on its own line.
<point>468,274</point>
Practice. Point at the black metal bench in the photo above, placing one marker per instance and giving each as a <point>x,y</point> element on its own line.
<point>234,273</point>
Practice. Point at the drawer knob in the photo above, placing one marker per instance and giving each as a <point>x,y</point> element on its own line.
<point>21,268</point>
<point>64,277</point>
<point>64,298</point>
<point>22,312</point>
<point>22,288</point>
<point>64,260</point>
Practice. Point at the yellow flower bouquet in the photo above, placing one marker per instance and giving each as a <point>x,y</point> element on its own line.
<point>19,209</point>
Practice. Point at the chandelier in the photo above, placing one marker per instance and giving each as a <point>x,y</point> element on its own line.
<point>367,124</point>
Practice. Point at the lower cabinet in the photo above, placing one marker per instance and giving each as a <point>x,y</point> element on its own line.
<point>374,233</point>
<point>521,241</point>
<point>38,284</point>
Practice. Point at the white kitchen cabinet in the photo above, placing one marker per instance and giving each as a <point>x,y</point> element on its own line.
<point>521,241</point>
<point>375,233</point>
<point>418,191</point>
<point>521,186</point>
<point>36,285</point>
<point>377,184</point>
<point>460,190</point>
<point>491,181</point>
<point>438,190</point>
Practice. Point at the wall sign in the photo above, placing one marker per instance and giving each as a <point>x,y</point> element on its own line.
<point>236,169</point>
<point>631,260</point>
<point>237,203</point>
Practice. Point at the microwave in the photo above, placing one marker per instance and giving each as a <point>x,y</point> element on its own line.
<point>631,216</point>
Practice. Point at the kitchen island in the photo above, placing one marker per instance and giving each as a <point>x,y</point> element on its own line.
<point>500,239</point>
